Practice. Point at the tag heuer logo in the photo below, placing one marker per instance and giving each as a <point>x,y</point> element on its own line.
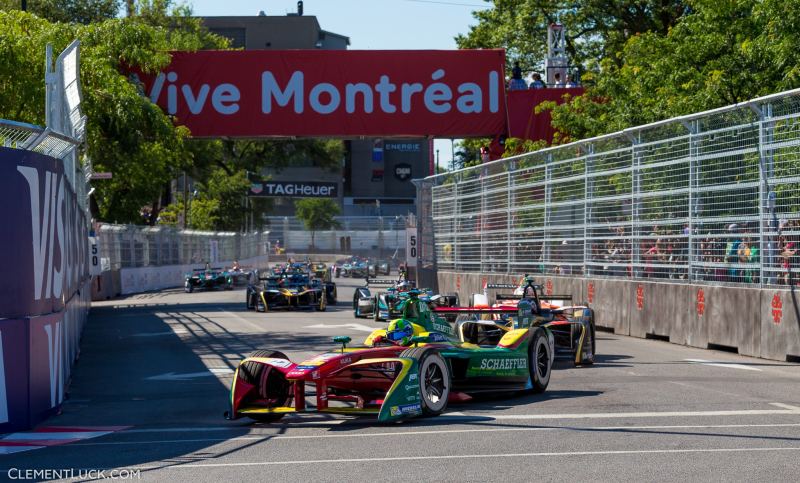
<point>402,171</point>
<point>256,188</point>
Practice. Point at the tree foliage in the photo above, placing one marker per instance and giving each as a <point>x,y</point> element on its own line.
<point>596,29</point>
<point>317,214</point>
<point>80,11</point>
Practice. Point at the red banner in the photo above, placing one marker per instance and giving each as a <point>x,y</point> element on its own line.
<point>308,93</point>
<point>523,122</point>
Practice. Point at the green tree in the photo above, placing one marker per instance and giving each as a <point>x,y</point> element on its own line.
<point>79,11</point>
<point>317,214</point>
<point>125,132</point>
<point>721,54</point>
<point>596,29</point>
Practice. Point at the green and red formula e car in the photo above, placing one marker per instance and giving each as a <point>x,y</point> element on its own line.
<point>414,367</point>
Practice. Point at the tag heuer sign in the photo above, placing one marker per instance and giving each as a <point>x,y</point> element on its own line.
<point>402,171</point>
<point>296,189</point>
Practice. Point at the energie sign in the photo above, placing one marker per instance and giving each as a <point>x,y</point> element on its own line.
<point>334,93</point>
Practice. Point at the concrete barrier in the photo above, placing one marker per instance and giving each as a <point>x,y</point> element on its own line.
<point>780,327</point>
<point>146,279</point>
<point>754,322</point>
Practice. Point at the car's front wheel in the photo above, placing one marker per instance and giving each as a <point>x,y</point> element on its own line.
<point>434,379</point>
<point>187,287</point>
<point>272,384</point>
<point>540,361</point>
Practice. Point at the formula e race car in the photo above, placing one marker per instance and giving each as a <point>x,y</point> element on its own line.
<point>381,305</point>
<point>413,368</point>
<point>572,325</point>
<point>207,278</point>
<point>289,291</point>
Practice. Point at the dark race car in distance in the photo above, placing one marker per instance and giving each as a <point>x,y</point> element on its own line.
<point>289,291</point>
<point>207,278</point>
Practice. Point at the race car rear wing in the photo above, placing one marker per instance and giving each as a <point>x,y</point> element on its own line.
<point>475,310</point>
<point>541,297</point>
<point>388,282</point>
<point>213,269</point>
<point>501,285</point>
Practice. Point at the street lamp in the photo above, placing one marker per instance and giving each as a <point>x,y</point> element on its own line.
<point>437,162</point>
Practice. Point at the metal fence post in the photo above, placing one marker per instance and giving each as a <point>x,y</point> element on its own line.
<point>694,201</point>
<point>548,198</point>
<point>766,205</point>
<point>509,204</point>
<point>588,186</point>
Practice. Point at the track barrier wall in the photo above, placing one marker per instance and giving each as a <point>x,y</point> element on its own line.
<point>750,321</point>
<point>45,290</point>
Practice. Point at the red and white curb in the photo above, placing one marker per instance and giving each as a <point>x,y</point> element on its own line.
<point>52,436</point>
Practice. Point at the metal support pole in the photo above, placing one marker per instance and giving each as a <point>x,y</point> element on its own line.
<point>694,200</point>
<point>548,196</point>
<point>636,206</point>
<point>588,187</point>
<point>766,205</point>
<point>509,204</point>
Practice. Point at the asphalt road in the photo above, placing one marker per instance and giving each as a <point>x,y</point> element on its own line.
<point>646,411</point>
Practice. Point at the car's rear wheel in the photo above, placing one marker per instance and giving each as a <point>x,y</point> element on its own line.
<point>540,361</point>
<point>434,379</point>
<point>272,384</point>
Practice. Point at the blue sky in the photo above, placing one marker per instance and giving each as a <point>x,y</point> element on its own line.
<point>372,24</point>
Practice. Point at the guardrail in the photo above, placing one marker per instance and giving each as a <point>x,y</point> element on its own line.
<point>712,197</point>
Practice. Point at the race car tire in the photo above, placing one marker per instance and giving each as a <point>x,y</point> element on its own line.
<point>260,305</point>
<point>434,379</point>
<point>588,349</point>
<point>322,303</point>
<point>540,361</point>
<point>187,287</point>
<point>272,384</point>
<point>249,301</point>
<point>376,314</point>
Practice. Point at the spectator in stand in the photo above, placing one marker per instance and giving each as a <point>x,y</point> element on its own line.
<point>570,83</point>
<point>537,82</point>
<point>517,82</point>
<point>557,82</point>
<point>788,251</point>
<point>732,252</point>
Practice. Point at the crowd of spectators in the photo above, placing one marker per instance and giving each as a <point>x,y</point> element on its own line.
<point>518,82</point>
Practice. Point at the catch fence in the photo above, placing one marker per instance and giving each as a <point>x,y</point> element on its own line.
<point>130,246</point>
<point>709,197</point>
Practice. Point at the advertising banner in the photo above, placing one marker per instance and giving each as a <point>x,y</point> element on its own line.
<point>441,93</point>
<point>45,252</point>
<point>13,375</point>
<point>293,189</point>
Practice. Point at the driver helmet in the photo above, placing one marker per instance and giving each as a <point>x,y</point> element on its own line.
<point>400,331</point>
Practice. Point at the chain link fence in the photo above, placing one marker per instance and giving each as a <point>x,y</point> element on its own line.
<point>710,197</point>
<point>130,246</point>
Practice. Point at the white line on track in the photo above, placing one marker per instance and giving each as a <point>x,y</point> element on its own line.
<point>472,456</point>
<point>729,365</point>
<point>741,412</point>
<point>271,437</point>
